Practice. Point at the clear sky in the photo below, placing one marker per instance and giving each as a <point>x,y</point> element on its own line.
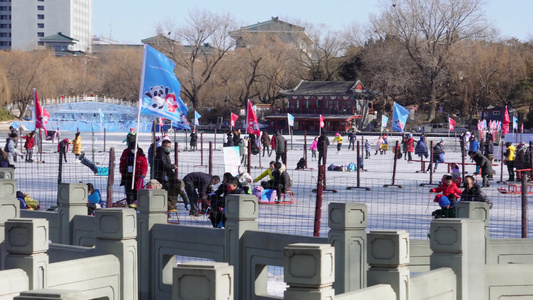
<point>129,21</point>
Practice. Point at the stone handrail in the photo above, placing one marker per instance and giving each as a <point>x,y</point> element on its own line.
<point>380,291</point>
<point>441,282</point>
<point>96,277</point>
<point>13,282</point>
<point>60,252</point>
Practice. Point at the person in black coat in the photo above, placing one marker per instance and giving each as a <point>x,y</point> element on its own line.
<point>281,182</point>
<point>231,187</point>
<point>280,147</point>
<point>489,151</point>
<point>164,168</point>
<point>229,141</point>
<point>237,137</point>
<point>484,165</point>
<point>473,192</point>
<point>196,185</point>
<point>322,147</point>
<point>194,140</point>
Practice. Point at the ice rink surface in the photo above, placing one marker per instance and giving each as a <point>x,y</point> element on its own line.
<point>389,208</point>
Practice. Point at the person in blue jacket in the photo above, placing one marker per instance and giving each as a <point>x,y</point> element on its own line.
<point>421,148</point>
<point>474,145</point>
<point>94,199</point>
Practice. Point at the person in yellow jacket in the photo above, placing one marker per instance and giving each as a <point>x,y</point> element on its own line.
<point>76,145</point>
<point>266,172</point>
<point>509,159</point>
<point>338,139</point>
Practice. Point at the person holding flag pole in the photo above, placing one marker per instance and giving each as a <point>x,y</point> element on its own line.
<point>159,92</point>
<point>384,120</point>
<point>194,136</point>
<point>290,119</point>
<point>321,123</point>
<point>41,119</point>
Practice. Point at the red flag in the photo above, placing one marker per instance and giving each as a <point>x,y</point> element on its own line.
<point>451,124</point>
<point>522,128</point>
<point>41,115</point>
<point>252,126</point>
<point>234,118</point>
<point>322,121</point>
<point>505,123</point>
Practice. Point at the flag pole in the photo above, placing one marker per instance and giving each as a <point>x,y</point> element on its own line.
<point>247,107</point>
<point>319,127</point>
<point>141,88</point>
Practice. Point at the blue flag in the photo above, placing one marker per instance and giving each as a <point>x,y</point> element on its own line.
<point>291,119</point>
<point>515,123</point>
<point>384,120</point>
<point>399,117</point>
<point>196,117</point>
<point>160,89</point>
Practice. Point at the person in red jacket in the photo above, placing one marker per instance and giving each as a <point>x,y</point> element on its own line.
<point>127,159</point>
<point>448,188</point>
<point>28,145</point>
<point>410,146</point>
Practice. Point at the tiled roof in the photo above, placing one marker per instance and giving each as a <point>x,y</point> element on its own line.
<point>59,37</point>
<point>311,116</point>
<point>325,88</point>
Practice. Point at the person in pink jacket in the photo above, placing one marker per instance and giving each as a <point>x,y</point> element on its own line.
<point>313,147</point>
<point>379,142</point>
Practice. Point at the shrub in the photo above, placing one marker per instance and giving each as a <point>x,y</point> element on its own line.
<point>5,115</point>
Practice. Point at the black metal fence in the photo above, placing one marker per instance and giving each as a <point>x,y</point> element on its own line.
<point>389,208</point>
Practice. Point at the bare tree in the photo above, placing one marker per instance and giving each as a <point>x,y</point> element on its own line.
<point>121,73</point>
<point>429,31</point>
<point>322,58</point>
<point>485,73</point>
<point>387,68</point>
<point>28,70</point>
<point>5,94</point>
<point>205,42</point>
<point>259,70</point>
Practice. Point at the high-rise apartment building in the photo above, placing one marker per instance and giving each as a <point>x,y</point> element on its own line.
<point>24,22</point>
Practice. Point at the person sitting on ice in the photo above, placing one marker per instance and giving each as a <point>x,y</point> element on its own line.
<point>281,182</point>
<point>267,172</point>
<point>447,208</point>
<point>217,214</point>
<point>94,199</point>
<point>244,179</point>
<point>448,188</point>
<point>456,175</point>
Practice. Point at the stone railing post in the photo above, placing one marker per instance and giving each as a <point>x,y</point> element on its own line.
<point>388,257</point>
<point>72,201</point>
<point>152,206</point>
<point>459,245</point>
<point>7,173</point>
<point>26,244</point>
<point>116,230</point>
<point>204,280</point>
<point>309,270</point>
<point>347,223</point>
<point>476,211</point>
<point>9,209</point>
<point>241,215</point>
<point>51,294</point>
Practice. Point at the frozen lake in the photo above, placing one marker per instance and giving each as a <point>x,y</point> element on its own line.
<point>389,208</point>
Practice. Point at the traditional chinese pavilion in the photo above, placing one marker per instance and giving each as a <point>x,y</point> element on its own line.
<point>343,104</point>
